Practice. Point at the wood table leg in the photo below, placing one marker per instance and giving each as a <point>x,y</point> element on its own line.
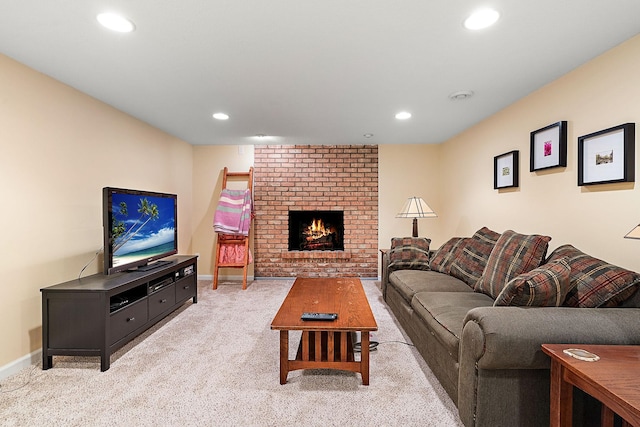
<point>364,357</point>
<point>284,356</point>
<point>607,416</point>
<point>561,411</point>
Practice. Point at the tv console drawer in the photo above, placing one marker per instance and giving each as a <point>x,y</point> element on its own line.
<point>162,301</point>
<point>128,319</point>
<point>185,288</point>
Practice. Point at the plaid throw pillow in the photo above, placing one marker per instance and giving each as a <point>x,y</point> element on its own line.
<point>545,286</point>
<point>471,260</point>
<point>513,255</point>
<point>596,283</point>
<point>445,255</point>
<point>409,253</point>
<point>486,235</point>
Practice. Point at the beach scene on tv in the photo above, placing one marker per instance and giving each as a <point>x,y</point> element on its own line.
<point>142,227</point>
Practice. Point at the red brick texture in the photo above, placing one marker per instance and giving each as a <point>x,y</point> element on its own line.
<point>309,177</point>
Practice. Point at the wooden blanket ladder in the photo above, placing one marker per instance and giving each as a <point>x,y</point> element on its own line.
<point>223,239</point>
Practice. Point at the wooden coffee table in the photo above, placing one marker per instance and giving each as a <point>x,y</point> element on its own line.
<point>325,344</point>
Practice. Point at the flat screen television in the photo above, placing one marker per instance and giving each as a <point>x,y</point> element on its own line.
<point>140,227</point>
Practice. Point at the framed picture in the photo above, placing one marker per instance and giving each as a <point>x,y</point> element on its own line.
<point>549,147</point>
<point>607,156</point>
<point>505,170</point>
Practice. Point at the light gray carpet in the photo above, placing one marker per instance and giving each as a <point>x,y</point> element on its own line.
<point>216,363</point>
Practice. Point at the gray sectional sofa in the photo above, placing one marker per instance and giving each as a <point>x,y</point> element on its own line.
<point>479,308</point>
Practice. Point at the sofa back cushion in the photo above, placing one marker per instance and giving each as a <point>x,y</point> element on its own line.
<point>409,253</point>
<point>445,255</point>
<point>596,283</point>
<point>545,286</point>
<point>512,255</point>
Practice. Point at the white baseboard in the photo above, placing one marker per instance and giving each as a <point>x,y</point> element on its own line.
<point>16,366</point>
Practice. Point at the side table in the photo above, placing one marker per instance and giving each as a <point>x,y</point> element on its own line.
<point>613,380</point>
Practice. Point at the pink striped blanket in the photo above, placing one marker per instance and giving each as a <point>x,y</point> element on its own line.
<point>233,215</point>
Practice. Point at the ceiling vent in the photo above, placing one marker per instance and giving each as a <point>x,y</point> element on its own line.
<point>461,95</point>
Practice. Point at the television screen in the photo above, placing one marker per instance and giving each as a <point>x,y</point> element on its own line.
<point>139,227</point>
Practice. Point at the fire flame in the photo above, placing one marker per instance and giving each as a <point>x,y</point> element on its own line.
<point>316,230</point>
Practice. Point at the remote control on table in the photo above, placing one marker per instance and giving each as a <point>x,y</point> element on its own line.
<point>319,316</point>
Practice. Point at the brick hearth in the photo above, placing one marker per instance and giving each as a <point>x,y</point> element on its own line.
<point>296,177</point>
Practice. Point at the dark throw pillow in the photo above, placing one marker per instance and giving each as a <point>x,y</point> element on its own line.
<point>486,235</point>
<point>409,253</point>
<point>445,255</point>
<point>512,255</point>
<point>545,286</point>
<point>471,260</point>
<point>596,283</point>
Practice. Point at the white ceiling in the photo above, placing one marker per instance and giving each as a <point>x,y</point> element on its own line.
<point>311,71</point>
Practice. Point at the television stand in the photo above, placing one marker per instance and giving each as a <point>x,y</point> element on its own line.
<point>152,266</point>
<point>98,314</point>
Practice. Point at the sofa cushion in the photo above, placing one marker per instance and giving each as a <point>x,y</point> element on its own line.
<point>596,283</point>
<point>445,255</point>
<point>444,313</point>
<point>471,260</point>
<point>408,282</point>
<point>512,255</point>
<point>409,253</point>
<point>545,286</point>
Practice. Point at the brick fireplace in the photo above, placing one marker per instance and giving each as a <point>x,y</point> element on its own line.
<point>304,178</point>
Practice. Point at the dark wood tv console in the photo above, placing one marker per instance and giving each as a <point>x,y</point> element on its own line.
<point>96,315</point>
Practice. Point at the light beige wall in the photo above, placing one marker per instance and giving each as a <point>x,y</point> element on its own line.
<point>59,147</point>
<point>208,165</point>
<point>405,171</point>
<point>601,94</point>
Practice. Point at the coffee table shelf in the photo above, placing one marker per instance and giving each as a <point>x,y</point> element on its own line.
<point>331,349</point>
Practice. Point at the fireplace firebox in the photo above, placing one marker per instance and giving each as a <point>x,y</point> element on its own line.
<point>316,230</point>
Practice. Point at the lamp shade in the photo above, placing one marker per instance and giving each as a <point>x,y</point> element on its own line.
<point>633,234</point>
<point>415,207</point>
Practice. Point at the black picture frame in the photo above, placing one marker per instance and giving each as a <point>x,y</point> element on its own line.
<point>506,170</point>
<point>607,156</point>
<point>548,147</point>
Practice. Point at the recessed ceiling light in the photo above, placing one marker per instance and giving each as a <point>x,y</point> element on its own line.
<point>461,95</point>
<point>403,115</point>
<point>115,22</point>
<point>221,116</point>
<point>482,18</point>
<point>368,135</point>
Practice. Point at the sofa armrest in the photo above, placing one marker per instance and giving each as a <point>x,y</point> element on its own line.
<point>384,280</point>
<point>511,337</point>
